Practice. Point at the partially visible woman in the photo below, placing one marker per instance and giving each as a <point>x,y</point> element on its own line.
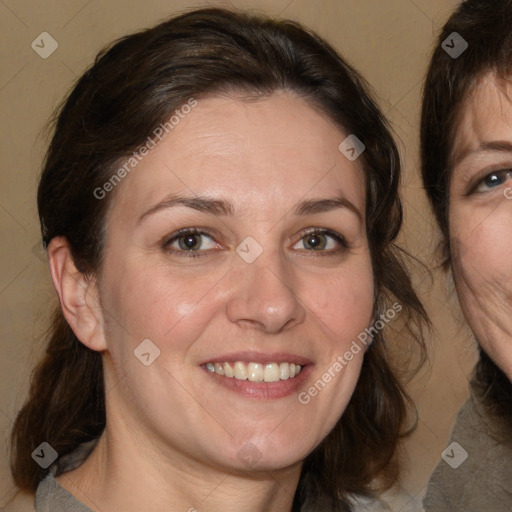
<point>220,205</point>
<point>466,145</point>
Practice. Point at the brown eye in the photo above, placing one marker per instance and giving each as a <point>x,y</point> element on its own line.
<point>321,241</point>
<point>315,241</point>
<point>191,241</point>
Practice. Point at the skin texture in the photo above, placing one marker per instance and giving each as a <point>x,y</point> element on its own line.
<point>480,217</point>
<point>173,433</point>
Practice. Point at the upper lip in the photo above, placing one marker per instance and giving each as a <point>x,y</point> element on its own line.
<point>259,357</point>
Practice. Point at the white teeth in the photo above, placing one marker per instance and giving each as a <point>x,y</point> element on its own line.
<point>240,371</point>
<point>255,372</point>
<point>271,372</point>
<point>228,370</point>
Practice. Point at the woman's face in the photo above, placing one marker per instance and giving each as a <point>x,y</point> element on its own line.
<point>480,218</point>
<point>239,239</point>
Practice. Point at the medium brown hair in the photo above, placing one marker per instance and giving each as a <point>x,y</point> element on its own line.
<point>133,87</point>
<point>486,26</point>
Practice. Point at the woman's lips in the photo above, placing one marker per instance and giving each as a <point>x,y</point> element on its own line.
<point>251,381</point>
<point>258,357</point>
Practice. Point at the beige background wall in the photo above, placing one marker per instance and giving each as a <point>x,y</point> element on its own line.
<point>387,40</point>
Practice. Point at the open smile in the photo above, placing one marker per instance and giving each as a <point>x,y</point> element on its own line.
<point>255,372</point>
<point>259,375</point>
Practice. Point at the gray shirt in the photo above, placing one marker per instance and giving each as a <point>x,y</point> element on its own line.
<point>52,497</point>
<point>483,481</point>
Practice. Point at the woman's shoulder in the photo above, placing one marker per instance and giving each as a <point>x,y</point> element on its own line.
<point>52,496</point>
<point>49,496</point>
<point>476,468</point>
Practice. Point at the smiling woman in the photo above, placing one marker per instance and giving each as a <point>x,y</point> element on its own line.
<point>250,249</point>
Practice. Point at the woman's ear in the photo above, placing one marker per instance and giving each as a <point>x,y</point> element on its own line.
<point>78,295</point>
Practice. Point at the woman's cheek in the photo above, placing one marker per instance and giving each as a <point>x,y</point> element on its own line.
<point>481,245</point>
<point>482,270</point>
<point>345,302</point>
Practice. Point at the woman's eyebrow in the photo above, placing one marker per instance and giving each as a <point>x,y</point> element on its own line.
<point>497,146</point>
<point>325,205</point>
<point>202,204</point>
<point>222,207</point>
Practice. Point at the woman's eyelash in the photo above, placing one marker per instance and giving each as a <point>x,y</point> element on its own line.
<point>340,239</point>
<point>491,180</point>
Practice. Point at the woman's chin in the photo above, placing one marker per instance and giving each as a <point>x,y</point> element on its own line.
<point>254,456</point>
<point>250,460</point>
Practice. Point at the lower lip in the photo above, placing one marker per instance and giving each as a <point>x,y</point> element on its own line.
<point>263,390</point>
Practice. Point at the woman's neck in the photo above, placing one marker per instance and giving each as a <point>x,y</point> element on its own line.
<point>130,476</point>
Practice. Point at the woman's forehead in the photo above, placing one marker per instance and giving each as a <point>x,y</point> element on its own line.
<point>276,149</point>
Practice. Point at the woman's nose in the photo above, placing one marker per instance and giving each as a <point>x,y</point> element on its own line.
<point>264,294</point>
